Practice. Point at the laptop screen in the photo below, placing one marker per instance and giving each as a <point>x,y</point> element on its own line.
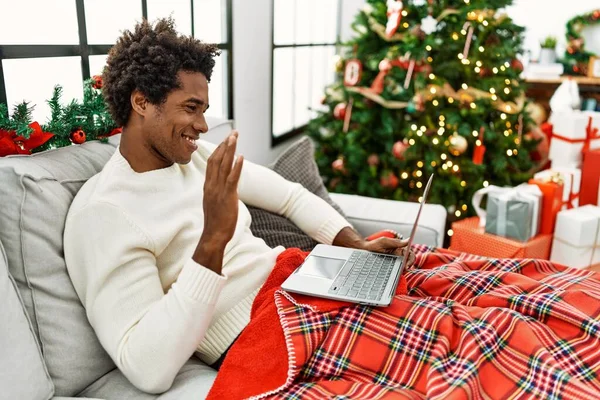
<point>414,229</point>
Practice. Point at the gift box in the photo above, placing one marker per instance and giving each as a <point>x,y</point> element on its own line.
<point>511,212</point>
<point>470,237</point>
<point>572,183</point>
<point>590,175</point>
<point>552,189</point>
<point>574,132</point>
<point>577,238</point>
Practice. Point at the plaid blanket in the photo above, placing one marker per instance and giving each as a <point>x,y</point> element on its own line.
<point>469,327</point>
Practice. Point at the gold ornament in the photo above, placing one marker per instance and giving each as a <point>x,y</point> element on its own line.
<point>458,145</point>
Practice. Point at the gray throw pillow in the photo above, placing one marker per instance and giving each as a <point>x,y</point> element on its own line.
<point>296,164</point>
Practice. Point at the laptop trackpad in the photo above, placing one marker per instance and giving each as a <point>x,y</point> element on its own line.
<point>322,267</point>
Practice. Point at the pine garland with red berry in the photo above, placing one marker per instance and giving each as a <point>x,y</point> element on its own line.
<point>73,123</point>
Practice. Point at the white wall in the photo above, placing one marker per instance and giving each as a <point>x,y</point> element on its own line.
<point>252,75</point>
<point>543,18</point>
<point>252,79</point>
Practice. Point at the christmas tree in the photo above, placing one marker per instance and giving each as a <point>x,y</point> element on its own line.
<point>71,123</point>
<point>427,88</point>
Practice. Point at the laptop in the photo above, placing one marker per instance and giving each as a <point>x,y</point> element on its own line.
<point>346,274</point>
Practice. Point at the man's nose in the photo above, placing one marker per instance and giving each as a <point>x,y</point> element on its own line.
<point>200,124</point>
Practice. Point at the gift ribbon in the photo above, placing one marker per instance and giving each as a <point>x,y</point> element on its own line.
<point>591,133</point>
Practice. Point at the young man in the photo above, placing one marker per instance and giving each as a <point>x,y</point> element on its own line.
<point>168,265</point>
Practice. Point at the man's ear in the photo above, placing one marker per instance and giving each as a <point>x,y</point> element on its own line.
<point>139,103</point>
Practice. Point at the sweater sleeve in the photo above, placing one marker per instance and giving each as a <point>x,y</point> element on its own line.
<point>261,187</point>
<point>148,333</point>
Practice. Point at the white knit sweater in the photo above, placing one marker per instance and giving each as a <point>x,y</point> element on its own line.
<point>129,239</point>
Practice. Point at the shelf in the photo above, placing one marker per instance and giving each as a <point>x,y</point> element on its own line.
<point>581,80</point>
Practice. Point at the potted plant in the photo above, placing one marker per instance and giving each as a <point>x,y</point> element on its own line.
<point>548,52</point>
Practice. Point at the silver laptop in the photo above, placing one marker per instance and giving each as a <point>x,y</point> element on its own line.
<point>358,276</point>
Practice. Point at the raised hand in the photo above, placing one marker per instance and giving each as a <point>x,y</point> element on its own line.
<point>220,203</point>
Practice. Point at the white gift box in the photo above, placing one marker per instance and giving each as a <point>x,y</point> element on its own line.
<point>570,131</point>
<point>577,237</point>
<point>571,178</point>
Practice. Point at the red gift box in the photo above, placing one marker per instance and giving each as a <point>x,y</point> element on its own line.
<point>552,192</point>
<point>589,178</point>
<point>471,238</point>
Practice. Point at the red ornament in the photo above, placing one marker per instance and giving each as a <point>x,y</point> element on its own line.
<point>10,143</point>
<point>596,14</point>
<point>478,154</point>
<point>399,149</point>
<point>484,72</point>
<point>339,111</point>
<point>394,14</point>
<point>389,181</point>
<point>517,65</point>
<point>97,82</point>
<point>352,72</point>
<point>77,136</point>
<point>373,160</point>
<point>339,166</point>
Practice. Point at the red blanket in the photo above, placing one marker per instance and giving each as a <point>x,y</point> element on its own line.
<point>469,328</point>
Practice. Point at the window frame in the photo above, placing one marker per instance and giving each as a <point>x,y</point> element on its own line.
<point>276,140</point>
<point>85,50</point>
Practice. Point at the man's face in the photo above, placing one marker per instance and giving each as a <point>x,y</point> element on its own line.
<point>171,128</point>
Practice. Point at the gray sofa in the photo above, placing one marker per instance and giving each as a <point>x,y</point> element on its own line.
<point>48,350</point>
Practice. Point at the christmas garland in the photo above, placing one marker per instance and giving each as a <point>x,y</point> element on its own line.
<point>577,58</point>
<point>74,123</point>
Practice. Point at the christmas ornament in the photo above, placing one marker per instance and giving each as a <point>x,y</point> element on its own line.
<point>537,113</point>
<point>389,180</point>
<point>409,72</point>
<point>339,111</point>
<point>339,165</point>
<point>469,39</point>
<point>458,145</point>
<point>77,136</point>
<point>338,63</point>
<point>97,82</point>
<point>542,150</point>
<point>334,182</point>
<point>373,160</point>
<point>353,72</point>
<point>11,143</point>
<point>398,150</point>
<point>325,132</point>
<point>347,116</point>
<point>478,153</point>
<point>429,24</point>
<point>485,72</point>
<point>517,65</point>
<point>394,14</point>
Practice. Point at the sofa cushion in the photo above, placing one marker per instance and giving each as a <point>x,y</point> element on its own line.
<point>23,374</point>
<point>296,164</point>
<point>193,381</point>
<point>37,192</point>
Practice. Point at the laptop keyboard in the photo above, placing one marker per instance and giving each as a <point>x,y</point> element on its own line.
<point>364,276</point>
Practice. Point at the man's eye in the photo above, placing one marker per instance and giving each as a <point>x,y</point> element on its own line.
<point>191,108</point>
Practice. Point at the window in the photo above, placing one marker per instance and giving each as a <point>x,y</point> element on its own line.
<point>305,39</point>
<point>32,61</point>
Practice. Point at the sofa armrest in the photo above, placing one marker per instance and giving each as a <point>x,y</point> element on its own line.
<point>369,215</point>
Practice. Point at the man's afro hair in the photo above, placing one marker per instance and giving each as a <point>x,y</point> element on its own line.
<point>148,59</point>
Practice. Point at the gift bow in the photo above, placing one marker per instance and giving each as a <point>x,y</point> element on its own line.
<point>523,191</point>
<point>10,143</point>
